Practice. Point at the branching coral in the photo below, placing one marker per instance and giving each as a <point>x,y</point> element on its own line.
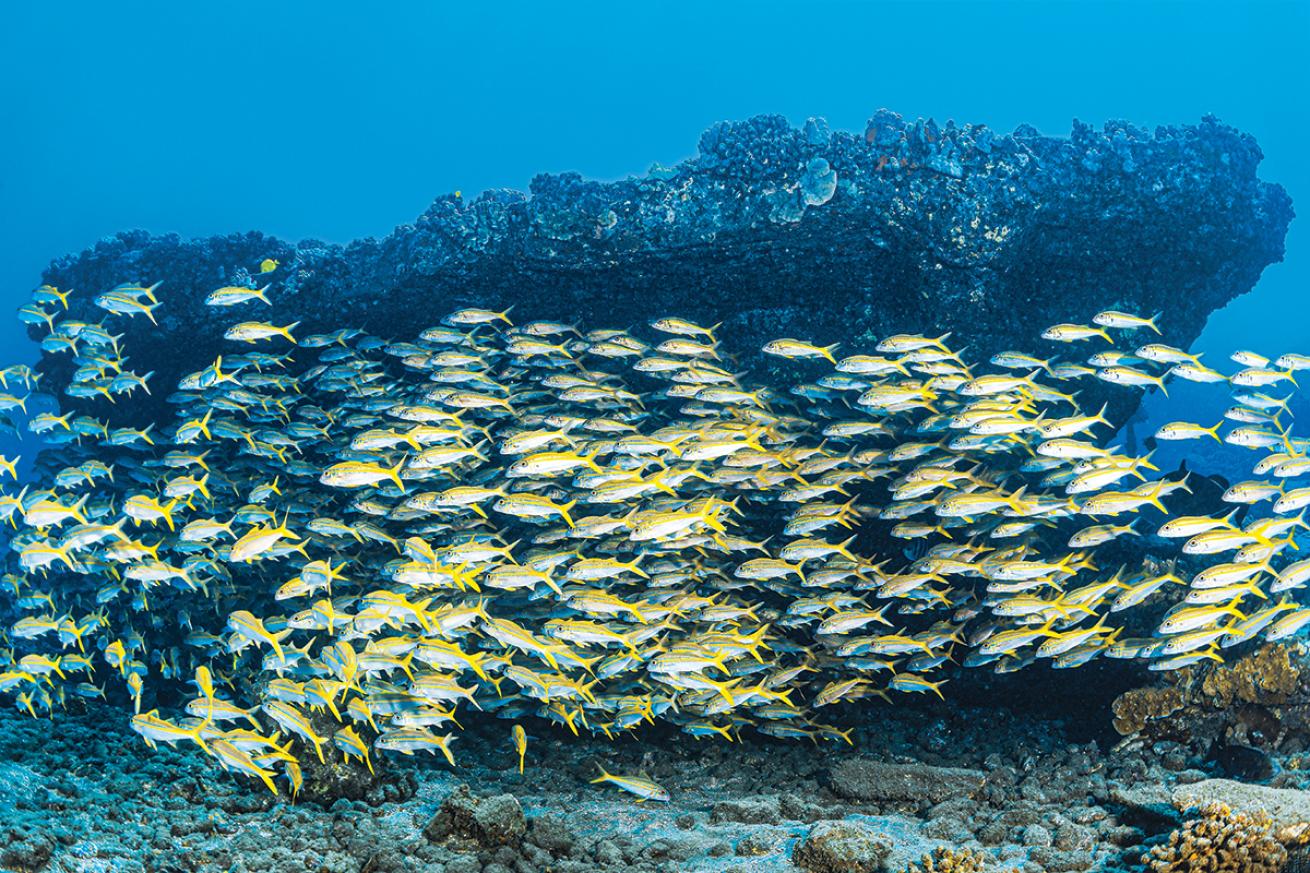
<point>1220,841</point>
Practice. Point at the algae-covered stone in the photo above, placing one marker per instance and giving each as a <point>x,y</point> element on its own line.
<point>552,833</point>
<point>841,847</point>
<point>500,820</point>
<point>25,852</point>
<point>487,822</point>
<point>863,779</point>
<point>747,810</point>
<point>757,843</point>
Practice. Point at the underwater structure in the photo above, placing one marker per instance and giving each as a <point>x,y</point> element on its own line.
<point>776,230</point>
<point>613,531</point>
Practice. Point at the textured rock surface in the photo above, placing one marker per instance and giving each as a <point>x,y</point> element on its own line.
<point>862,779</point>
<point>488,821</point>
<point>828,235</point>
<point>841,847</point>
<point>72,799</point>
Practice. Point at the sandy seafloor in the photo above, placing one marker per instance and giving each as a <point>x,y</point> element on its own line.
<point>82,793</point>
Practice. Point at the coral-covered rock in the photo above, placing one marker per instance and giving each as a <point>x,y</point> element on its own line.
<point>776,231</point>
<point>1266,677</point>
<point>486,822</point>
<point>1220,840</point>
<point>1257,700</point>
<point>1135,709</point>
<point>1287,810</point>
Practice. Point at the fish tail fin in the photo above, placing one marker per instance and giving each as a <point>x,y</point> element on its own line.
<point>827,351</point>
<point>262,296</point>
<point>1150,322</point>
<point>725,689</point>
<point>76,511</point>
<point>265,775</point>
<point>167,511</point>
<point>603,777</point>
<point>393,473</point>
<point>276,641</point>
<point>194,734</point>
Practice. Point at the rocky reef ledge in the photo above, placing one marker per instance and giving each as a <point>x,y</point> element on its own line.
<point>775,230</point>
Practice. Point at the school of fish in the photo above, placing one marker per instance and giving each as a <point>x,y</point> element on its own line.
<point>342,544</point>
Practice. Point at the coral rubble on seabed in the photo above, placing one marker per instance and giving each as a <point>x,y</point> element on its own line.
<point>71,800</point>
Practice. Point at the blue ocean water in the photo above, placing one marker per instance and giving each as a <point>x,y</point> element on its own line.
<point>313,120</point>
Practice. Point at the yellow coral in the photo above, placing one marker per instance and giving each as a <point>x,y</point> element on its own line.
<point>947,860</point>
<point>1266,676</point>
<point>1220,841</point>
<point>1134,709</point>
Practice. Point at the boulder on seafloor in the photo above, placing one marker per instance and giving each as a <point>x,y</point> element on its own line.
<point>826,235</point>
<point>1288,808</point>
<point>864,779</point>
<point>1149,806</point>
<point>841,847</point>
<point>747,810</point>
<point>486,822</point>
